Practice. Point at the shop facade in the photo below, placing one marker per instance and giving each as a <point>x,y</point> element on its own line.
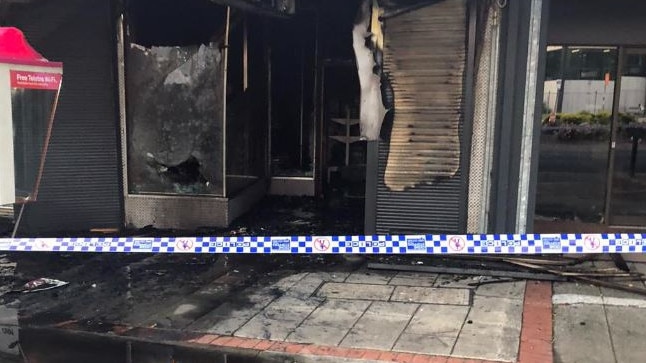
<point>185,114</point>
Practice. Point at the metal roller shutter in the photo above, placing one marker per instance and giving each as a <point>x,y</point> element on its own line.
<point>420,181</point>
<point>81,182</point>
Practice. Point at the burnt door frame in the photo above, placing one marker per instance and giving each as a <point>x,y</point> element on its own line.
<point>514,45</point>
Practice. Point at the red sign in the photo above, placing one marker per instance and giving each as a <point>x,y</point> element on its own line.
<point>35,80</point>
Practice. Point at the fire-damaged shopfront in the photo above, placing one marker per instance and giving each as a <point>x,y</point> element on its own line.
<point>183,114</point>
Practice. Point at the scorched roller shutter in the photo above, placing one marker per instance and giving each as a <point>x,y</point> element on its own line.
<point>420,181</point>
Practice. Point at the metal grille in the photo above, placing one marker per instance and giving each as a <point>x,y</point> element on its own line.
<point>176,211</point>
<point>419,185</point>
<point>483,124</point>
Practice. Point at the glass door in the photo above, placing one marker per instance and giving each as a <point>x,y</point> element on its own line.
<point>575,133</point>
<point>627,184</point>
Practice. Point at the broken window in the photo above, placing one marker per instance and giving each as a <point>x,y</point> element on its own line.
<point>175,96</point>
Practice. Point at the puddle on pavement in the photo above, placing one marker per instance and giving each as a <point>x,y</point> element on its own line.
<point>38,346</point>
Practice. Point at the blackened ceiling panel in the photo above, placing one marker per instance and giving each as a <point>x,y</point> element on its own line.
<point>419,167</point>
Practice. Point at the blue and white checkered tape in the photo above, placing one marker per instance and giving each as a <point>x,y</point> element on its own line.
<point>395,244</point>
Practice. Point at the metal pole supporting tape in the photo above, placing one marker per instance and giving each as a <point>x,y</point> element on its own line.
<point>389,244</point>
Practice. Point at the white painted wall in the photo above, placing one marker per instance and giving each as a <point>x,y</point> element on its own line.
<point>595,96</point>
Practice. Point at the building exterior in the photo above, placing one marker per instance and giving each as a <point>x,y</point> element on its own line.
<point>184,114</point>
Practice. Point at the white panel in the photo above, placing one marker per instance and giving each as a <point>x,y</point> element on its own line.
<point>7,176</point>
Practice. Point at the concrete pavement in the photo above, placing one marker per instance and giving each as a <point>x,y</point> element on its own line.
<point>599,325</point>
<point>376,316</point>
<point>403,313</point>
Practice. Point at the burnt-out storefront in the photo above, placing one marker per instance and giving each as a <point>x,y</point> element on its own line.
<point>184,114</point>
<point>222,107</point>
<point>192,113</point>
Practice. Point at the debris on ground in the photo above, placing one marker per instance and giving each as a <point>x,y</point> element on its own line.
<point>611,273</point>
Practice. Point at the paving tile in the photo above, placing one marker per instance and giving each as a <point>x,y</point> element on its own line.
<point>261,327</point>
<point>438,319</point>
<point>429,295</point>
<point>581,335</point>
<point>627,331</point>
<point>305,287</point>
<point>413,279</point>
<point>488,341</point>
<point>608,292</point>
<point>286,282</point>
<point>331,276</point>
<point>510,290</point>
<point>370,277</point>
<point>575,288</point>
<point>317,334</point>
<point>492,330</point>
<point>436,344</point>
<point>224,325</point>
<point>335,290</point>
<point>226,318</point>
<point>290,303</point>
<point>380,326</point>
<point>258,296</point>
<point>275,323</point>
<point>506,312</point>
<point>338,313</point>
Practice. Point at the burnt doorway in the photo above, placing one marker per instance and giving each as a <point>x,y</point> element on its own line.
<point>292,72</point>
<point>314,97</point>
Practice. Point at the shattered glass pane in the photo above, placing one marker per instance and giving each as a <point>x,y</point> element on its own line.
<point>175,119</point>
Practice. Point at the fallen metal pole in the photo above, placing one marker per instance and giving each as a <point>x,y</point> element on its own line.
<point>468,271</point>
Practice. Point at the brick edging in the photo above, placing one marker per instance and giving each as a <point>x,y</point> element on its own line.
<point>536,332</point>
<point>370,355</point>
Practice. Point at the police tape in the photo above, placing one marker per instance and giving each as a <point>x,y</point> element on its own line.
<point>388,244</point>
